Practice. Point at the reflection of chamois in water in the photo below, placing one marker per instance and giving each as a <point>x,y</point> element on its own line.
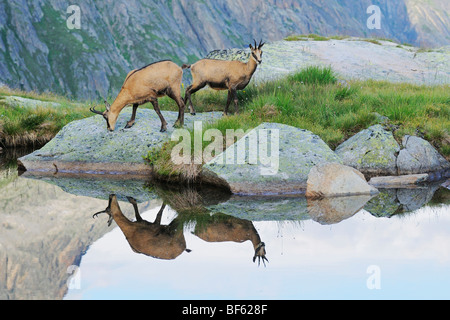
<point>222,227</point>
<point>153,239</point>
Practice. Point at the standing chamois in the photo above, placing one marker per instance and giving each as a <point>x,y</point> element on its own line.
<point>147,85</point>
<point>223,75</point>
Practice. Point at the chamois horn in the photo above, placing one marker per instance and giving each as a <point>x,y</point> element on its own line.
<point>261,44</point>
<point>92,109</point>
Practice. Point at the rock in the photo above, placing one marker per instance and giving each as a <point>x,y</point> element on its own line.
<point>419,156</point>
<point>335,180</point>
<point>372,151</point>
<point>14,101</point>
<point>398,181</point>
<point>85,146</point>
<point>446,184</point>
<point>287,172</point>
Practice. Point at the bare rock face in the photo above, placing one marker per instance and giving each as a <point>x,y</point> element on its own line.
<point>85,146</point>
<point>372,151</point>
<point>335,180</point>
<point>419,156</point>
<point>295,153</point>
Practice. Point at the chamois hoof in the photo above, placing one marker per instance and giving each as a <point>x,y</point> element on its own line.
<point>128,126</point>
<point>131,200</point>
<point>193,114</point>
<point>163,130</point>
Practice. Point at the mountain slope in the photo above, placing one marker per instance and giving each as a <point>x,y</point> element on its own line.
<point>38,51</point>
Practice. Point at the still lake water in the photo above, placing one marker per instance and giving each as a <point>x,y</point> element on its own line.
<point>393,246</point>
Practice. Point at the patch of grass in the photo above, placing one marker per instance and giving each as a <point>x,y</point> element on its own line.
<point>314,100</point>
<point>315,75</point>
<point>26,126</point>
<point>302,37</point>
<point>314,37</point>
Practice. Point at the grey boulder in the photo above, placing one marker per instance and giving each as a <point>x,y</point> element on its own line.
<point>289,154</point>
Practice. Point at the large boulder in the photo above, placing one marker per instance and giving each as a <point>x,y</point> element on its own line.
<point>85,146</point>
<point>372,151</point>
<point>336,180</point>
<point>292,151</point>
<point>419,156</point>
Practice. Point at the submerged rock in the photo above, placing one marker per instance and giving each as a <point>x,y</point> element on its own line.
<point>271,159</point>
<point>372,151</point>
<point>85,146</point>
<point>336,180</point>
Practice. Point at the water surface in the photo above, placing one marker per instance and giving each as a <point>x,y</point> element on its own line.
<point>393,246</point>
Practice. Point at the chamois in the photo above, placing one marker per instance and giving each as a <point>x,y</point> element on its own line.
<point>223,75</point>
<point>227,228</point>
<point>144,85</point>
<point>151,239</point>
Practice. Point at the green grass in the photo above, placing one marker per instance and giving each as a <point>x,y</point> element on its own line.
<point>25,126</point>
<point>313,99</point>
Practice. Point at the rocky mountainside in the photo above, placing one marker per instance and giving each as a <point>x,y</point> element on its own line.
<point>38,51</point>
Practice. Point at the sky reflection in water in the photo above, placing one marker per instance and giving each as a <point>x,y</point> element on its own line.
<point>307,260</point>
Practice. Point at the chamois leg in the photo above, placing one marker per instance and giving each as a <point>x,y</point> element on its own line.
<point>176,96</point>
<point>160,214</point>
<point>135,207</point>
<point>190,91</point>
<point>187,98</point>
<point>158,112</point>
<point>225,112</point>
<point>236,101</point>
<point>133,117</point>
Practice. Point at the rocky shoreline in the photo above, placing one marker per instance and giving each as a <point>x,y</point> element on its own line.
<point>373,152</point>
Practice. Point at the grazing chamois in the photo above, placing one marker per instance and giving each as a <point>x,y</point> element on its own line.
<point>144,85</point>
<point>223,227</point>
<point>223,75</point>
<point>151,239</point>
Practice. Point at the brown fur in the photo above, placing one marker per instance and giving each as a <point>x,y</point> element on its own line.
<point>223,75</point>
<point>147,85</point>
<point>152,239</point>
<point>168,242</point>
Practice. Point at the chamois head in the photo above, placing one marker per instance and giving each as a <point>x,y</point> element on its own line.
<point>260,253</point>
<point>104,114</point>
<point>256,51</point>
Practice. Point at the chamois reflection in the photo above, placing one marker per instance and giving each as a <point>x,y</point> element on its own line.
<point>167,241</point>
<point>152,239</point>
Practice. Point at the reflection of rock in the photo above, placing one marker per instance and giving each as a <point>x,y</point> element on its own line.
<point>335,180</point>
<point>385,204</point>
<point>98,186</point>
<point>335,210</point>
<point>43,231</point>
<point>394,201</point>
<point>413,199</point>
<point>264,208</point>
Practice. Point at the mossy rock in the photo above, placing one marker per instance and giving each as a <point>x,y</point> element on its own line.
<point>372,151</point>
<point>243,171</point>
